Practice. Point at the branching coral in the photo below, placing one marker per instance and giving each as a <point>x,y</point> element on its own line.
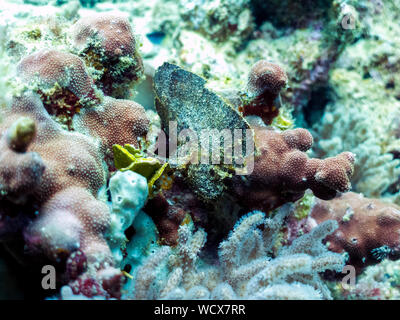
<point>283,171</point>
<point>248,269</point>
<point>368,228</point>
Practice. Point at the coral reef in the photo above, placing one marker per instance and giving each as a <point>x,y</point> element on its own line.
<point>368,228</point>
<point>113,170</point>
<point>57,137</point>
<point>248,270</point>
<point>61,173</point>
<point>283,171</point>
<point>109,46</point>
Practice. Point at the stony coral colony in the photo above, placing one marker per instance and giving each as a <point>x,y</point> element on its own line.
<point>81,190</point>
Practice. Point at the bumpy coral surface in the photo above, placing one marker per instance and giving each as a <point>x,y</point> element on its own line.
<point>265,81</point>
<point>60,173</point>
<point>283,171</point>
<point>100,122</point>
<point>61,79</point>
<point>109,46</point>
<point>97,186</point>
<point>51,174</point>
<point>368,228</point>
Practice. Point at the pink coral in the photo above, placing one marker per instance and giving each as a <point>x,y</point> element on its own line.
<point>368,228</point>
<point>100,122</point>
<point>282,171</point>
<point>108,44</point>
<point>63,186</point>
<point>61,79</point>
<point>265,81</point>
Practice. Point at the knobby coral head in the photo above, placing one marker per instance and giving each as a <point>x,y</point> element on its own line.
<point>101,122</point>
<point>283,171</point>
<point>59,173</point>
<point>115,34</point>
<point>62,81</point>
<point>107,44</point>
<point>265,81</point>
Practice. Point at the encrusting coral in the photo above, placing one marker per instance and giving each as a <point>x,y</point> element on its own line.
<point>368,228</point>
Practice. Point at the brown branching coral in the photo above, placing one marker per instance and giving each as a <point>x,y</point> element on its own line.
<point>282,171</point>
<point>368,228</point>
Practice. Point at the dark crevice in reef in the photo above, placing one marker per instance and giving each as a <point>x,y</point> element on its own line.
<point>315,107</point>
<point>314,110</point>
<point>289,13</point>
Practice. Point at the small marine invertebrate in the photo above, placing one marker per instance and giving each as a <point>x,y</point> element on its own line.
<point>128,194</point>
<point>368,228</point>
<point>282,171</point>
<point>109,46</point>
<point>248,270</point>
<point>61,80</point>
<point>265,81</point>
<point>99,122</point>
<point>130,158</point>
